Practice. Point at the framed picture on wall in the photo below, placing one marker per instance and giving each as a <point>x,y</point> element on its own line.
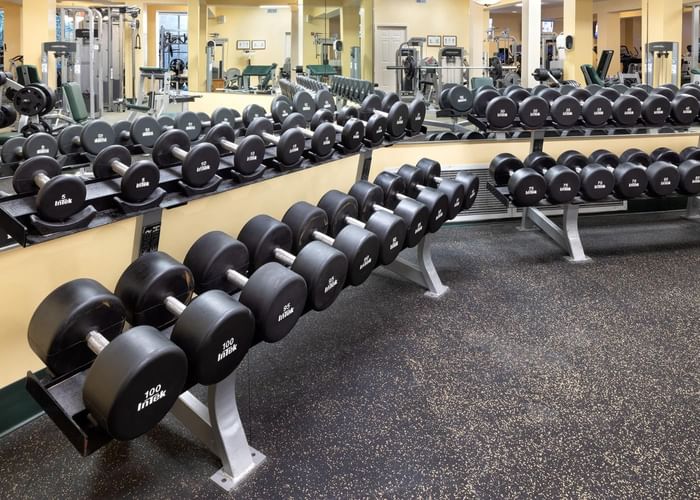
<point>242,44</point>
<point>434,40</point>
<point>259,44</point>
<point>449,41</point>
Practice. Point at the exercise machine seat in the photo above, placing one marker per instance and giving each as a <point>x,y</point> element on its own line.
<point>74,94</point>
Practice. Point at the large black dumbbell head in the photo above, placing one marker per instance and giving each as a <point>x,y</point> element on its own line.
<point>145,130</point>
<point>323,268</point>
<point>656,109</point>
<point>501,112</point>
<point>250,152</point>
<point>360,247</point>
<point>122,133</point>
<point>389,229</point>
<point>346,113</point>
<point>162,149</point>
<point>664,178</point>
<point>684,109</point>
<point>416,115</point>
<point>597,182</point>
<point>290,146</point>
<point>609,93</point>
<point>691,90</point>
<point>665,91</point>
<point>61,197</point>
<point>458,98</point>
<point>397,115</point>
<point>634,155</point>
<point>637,92</point>
<point>565,110</point>
<point>325,100</point>
<point>415,215</point>
<point>274,294</point>
<point>630,178</point>
<point>665,154</point>
<point>375,129</point>
<point>166,122</point>
<point>201,164</point>
<point>549,94</point>
<point>303,102</point>
<point>526,186</point>
<point>252,112</point>
<point>437,201</point>
<point>123,375</point>
<point>517,93</point>
<point>596,110</point>
<point>389,99</point>
<point>223,115</point>
<point>689,171</point>
<point>690,153</point>
<point>323,140</point>
<point>482,98</point>
<point>38,144</point>
<point>138,182</point>
<point>533,111</point>
<point>190,123</point>
<point>578,93</point>
<point>214,330</point>
<point>626,110</point>
<point>563,184</point>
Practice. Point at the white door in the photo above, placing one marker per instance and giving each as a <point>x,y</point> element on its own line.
<point>386,41</point>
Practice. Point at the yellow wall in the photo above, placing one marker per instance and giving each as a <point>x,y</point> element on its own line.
<point>252,23</point>
<point>436,17</point>
<point>153,31</point>
<point>13,13</point>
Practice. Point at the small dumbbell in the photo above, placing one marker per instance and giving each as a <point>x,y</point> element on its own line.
<point>322,137</point>
<point>143,131</point>
<point>17,149</point>
<point>361,247</point>
<point>214,330</point>
<point>248,154</point>
<point>526,186</point>
<point>323,268</point>
<point>199,162</point>
<point>58,196</point>
<point>351,133</point>
<point>372,198</point>
<point>138,180</point>
<point>274,294</point>
<point>92,137</point>
<point>135,377</point>
<point>343,210</point>
<point>289,145</point>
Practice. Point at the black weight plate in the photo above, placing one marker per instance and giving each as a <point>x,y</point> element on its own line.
<point>48,93</point>
<point>102,164</point>
<point>190,123</point>
<point>162,154</point>
<point>249,155</point>
<point>324,100</point>
<point>200,165</point>
<point>416,115</point>
<point>9,116</point>
<point>40,144</point>
<point>30,101</point>
<point>223,115</point>
<point>290,147</point>
<point>166,122</point>
<point>145,130</point>
<point>323,140</point>
<point>96,135</point>
<point>67,142</point>
<point>280,110</point>
<point>397,120</point>
<point>304,103</point>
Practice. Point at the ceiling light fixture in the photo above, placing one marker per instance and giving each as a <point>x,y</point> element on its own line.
<point>273,7</point>
<point>487,3</point>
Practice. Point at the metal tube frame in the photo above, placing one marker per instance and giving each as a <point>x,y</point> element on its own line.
<point>566,236</point>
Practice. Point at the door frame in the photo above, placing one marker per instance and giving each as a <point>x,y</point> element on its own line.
<point>385,26</point>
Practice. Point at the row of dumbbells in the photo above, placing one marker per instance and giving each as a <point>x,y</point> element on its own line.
<point>282,269</point>
<point>598,176</point>
<point>570,106</point>
<point>351,89</point>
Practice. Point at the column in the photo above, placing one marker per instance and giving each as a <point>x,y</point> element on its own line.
<point>479,23</point>
<point>196,44</point>
<point>578,22</point>
<point>662,21</point>
<point>609,34</point>
<point>38,23</point>
<point>297,35</point>
<point>531,40</point>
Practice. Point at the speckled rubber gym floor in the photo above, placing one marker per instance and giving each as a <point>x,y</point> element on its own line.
<point>531,377</point>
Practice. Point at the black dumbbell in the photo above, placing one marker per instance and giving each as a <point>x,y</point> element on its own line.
<point>690,153</point>
<point>656,109</point>
<point>275,295</point>
<point>307,102</point>
<point>630,179</point>
<point>396,190</point>
<point>361,247</point>
<point>498,110</point>
<point>457,98</point>
<point>289,145</point>
<point>563,184</point>
<point>684,109</point>
<point>374,127</point>
<point>662,177</point>
<point>343,210</point>
<point>323,268</point>
<point>214,330</point>
<point>416,116</point>
<point>596,110</point>
<point>138,180</point>
<point>58,196</point>
<point>459,191</point>
<point>92,137</point>
<point>565,111</point>
<point>219,115</point>
<point>526,186</point>
<point>351,133</point>
<point>597,181</point>
<point>322,137</point>
<point>143,131</point>
<point>188,122</point>
<point>372,198</point>
<point>280,109</point>
<point>533,111</point>
<point>17,149</point>
<point>199,162</point>
<point>248,154</point>
<point>396,116</point>
<point>135,377</point>
<point>688,168</point>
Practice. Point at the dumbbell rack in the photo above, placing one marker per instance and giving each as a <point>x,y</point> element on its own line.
<point>418,267</point>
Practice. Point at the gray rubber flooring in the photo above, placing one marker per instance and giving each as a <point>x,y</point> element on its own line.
<point>532,377</point>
